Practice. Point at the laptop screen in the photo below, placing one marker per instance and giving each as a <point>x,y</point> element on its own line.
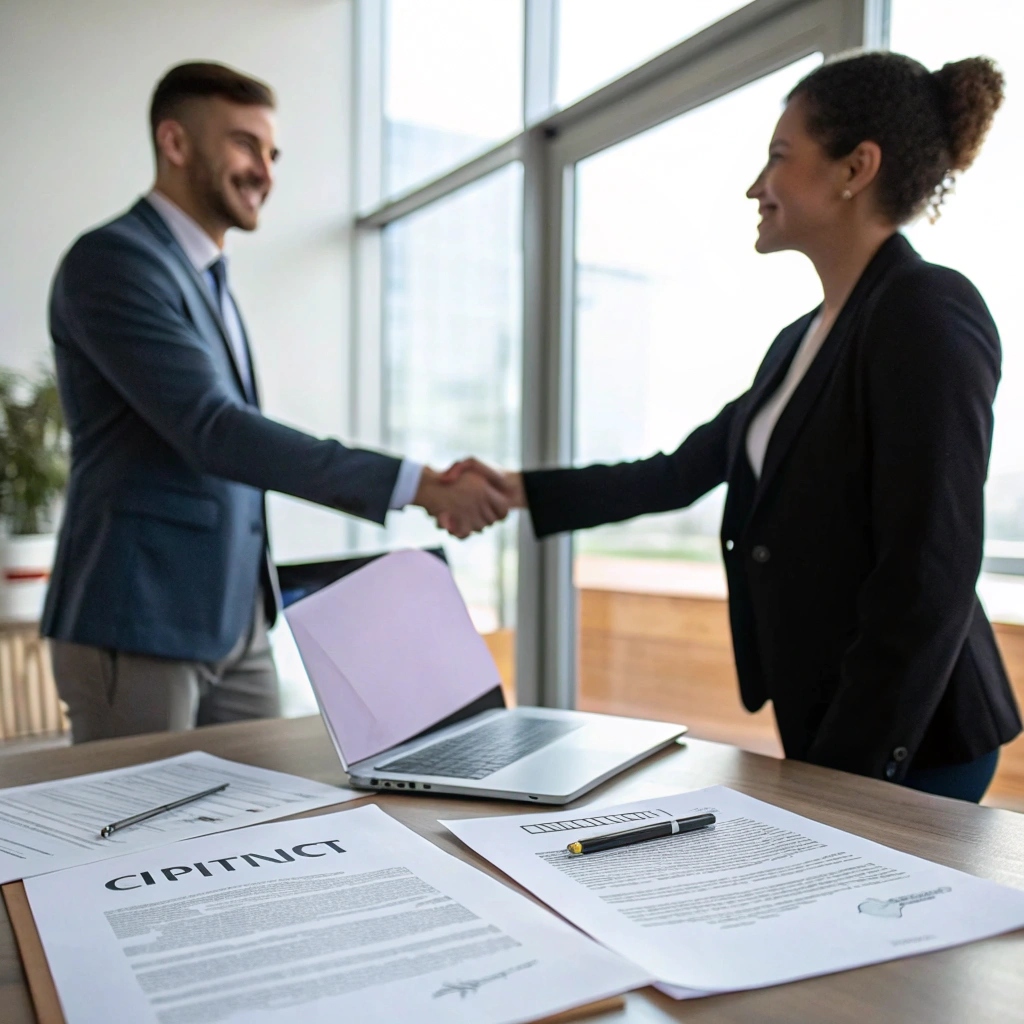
<point>392,654</point>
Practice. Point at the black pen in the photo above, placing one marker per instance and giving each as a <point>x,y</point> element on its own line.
<point>142,816</point>
<point>640,835</point>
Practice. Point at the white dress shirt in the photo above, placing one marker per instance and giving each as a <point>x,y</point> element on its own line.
<point>759,433</point>
<point>202,251</point>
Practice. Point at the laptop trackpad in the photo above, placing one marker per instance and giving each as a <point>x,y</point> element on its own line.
<point>564,767</point>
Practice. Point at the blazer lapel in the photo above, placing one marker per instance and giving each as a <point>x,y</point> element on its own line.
<point>769,377</point>
<point>892,252</point>
<point>145,212</point>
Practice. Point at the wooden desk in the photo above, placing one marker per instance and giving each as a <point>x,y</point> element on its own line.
<point>982,982</point>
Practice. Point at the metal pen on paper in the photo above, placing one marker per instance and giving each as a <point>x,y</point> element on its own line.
<point>144,815</point>
<point>612,840</point>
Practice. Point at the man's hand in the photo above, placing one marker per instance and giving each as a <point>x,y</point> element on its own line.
<point>509,485</point>
<point>463,504</point>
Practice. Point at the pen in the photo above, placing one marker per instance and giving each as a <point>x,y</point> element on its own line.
<point>611,840</point>
<point>136,818</point>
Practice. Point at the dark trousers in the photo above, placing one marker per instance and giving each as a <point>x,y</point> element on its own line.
<point>959,781</point>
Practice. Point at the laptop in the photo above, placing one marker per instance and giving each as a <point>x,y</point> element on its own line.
<point>412,698</point>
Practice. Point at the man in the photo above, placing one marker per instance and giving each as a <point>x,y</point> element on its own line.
<point>163,590</point>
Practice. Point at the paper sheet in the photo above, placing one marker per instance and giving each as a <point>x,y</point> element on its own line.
<point>764,896</point>
<point>52,825</point>
<point>342,917</point>
<point>390,650</point>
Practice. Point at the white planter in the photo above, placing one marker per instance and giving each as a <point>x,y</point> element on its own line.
<point>25,564</point>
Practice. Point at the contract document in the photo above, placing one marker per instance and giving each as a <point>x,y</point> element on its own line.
<point>52,825</point>
<point>343,917</point>
<point>763,896</point>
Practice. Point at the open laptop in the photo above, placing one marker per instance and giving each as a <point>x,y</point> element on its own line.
<point>409,652</point>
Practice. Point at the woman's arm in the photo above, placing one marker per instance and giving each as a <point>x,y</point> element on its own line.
<point>575,499</point>
<point>933,365</point>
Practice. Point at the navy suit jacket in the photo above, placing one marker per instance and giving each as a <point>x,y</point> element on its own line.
<point>163,540</point>
<point>852,561</point>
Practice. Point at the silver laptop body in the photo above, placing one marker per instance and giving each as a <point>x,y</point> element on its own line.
<point>567,753</point>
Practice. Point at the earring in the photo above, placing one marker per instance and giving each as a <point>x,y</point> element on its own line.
<point>847,194</point>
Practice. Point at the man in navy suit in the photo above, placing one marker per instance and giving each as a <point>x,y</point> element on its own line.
<point>163,589</point>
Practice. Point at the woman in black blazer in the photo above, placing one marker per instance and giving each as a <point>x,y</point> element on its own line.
<point>853,528</point>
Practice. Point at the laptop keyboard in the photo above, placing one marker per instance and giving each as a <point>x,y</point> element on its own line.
<point>483,751</point>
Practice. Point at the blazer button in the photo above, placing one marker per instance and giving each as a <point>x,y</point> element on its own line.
<point>900,754</point>
<point>761,554</point>
<point>729,545</point>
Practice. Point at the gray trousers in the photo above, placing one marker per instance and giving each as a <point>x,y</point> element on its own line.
<point>114,693</point>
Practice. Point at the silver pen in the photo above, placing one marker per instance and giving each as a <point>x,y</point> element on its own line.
<point>143,815</point>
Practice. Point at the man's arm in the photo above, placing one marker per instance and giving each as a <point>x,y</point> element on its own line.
<point>121,309</point>
<point>125,315</point>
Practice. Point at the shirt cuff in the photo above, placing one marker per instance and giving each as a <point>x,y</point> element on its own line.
<point>407,484</point>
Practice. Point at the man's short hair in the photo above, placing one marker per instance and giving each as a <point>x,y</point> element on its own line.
<point>197,80</point>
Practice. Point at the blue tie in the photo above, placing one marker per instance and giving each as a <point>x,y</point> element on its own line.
<point>216,275</point>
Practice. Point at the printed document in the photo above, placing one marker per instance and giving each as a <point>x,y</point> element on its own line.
<point>390,650</point>
<point>763,896</point>
<point>52,825</point>
<point>343,917</point>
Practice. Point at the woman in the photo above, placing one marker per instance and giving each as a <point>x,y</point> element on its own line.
<point>852,532</point>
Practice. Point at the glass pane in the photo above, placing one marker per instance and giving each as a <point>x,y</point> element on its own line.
<point>674,311</point>
<point>452,342</point>
<point>599,40</point>
<point>981,226</point>
<point>453,82</point>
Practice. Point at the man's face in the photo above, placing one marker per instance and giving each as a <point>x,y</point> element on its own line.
<point>229,163</point>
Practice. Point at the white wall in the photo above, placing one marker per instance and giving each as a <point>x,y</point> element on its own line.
<point>75,82</point>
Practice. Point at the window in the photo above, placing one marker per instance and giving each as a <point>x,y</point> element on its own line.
<point>452,84</point>
<point>637,239</point>
<point>664,251</point>
<point>451,356</point>
<point>980,229</point>
<point>598,40</point>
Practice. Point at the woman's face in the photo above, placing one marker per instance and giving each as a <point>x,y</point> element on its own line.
<point>799,191</point>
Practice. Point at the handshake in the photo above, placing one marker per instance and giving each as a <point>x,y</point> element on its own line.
<point>469,496</point>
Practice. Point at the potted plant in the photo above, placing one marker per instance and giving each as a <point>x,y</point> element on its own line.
<point>33,474</point>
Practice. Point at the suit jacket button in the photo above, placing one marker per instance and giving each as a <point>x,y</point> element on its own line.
<point>900,754</point>
<point>761,554</point>
<point>729,545</point>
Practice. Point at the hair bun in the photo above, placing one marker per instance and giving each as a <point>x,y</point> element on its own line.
<point>970,92</point>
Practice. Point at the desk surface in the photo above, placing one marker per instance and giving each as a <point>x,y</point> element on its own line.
<point>981,982</point>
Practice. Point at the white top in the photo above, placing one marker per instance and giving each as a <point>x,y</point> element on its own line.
<point>759,433</point>
<point>202,251</point>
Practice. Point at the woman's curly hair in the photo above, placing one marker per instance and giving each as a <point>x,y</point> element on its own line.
<point>928,124</point>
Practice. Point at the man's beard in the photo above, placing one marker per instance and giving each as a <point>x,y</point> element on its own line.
<point>211,196</point>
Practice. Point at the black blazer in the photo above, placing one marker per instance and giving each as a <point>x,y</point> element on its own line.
<point>852,562</point>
